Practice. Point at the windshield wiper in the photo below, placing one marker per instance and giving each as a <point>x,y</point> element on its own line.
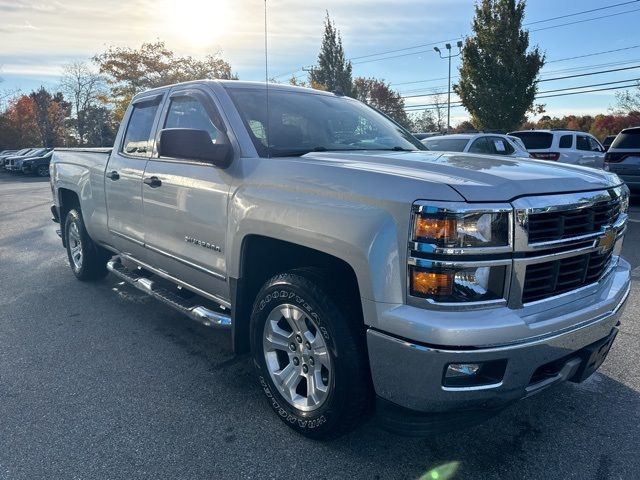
<point>299,153</point>
<point>402,149</point>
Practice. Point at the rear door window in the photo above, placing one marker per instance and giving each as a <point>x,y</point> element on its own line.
<point>582,142</point>
<point>628,139</point>
<point>566,141</point>
<point>535,140</point>
<point>137,139</point>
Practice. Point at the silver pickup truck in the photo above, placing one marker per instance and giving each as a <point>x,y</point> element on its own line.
<point>363,273</point>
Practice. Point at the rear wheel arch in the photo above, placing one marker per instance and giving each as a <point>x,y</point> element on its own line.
<point>67,201</point>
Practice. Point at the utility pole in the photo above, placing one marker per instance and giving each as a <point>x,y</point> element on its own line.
<point>449,56</point>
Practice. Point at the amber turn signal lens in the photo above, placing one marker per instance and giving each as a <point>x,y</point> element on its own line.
<point>435,228</point>
<point>431,283</point>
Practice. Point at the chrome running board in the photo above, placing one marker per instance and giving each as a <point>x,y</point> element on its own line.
<point>199,313</point>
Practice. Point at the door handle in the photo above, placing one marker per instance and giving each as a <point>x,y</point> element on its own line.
<point>113,175</point>
<point>153,182</point>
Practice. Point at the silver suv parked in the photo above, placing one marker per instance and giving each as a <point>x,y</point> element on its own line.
<point>479,143</point>
<point>623,157</point>
<point>565,146</point>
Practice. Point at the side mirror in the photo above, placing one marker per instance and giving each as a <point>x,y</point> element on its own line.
<point>192,144</point>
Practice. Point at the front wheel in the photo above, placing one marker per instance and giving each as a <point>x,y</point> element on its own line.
<point>88,261</point>
<point>42,170</point>
<point>309,357</point>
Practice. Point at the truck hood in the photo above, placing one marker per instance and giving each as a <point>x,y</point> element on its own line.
<point>477,178</point>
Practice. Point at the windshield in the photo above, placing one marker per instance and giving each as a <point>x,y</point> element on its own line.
<point>301,122</point>
<point>446,144</point>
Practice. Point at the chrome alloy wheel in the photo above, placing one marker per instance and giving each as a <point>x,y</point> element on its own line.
<point>297,357</point>
<point>75,246</point>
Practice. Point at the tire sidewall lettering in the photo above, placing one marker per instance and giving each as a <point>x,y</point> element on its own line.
<point>268,302</point>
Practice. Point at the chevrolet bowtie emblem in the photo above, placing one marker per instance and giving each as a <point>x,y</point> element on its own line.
<point>606,241</point>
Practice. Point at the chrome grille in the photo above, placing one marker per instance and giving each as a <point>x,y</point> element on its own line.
<point>544,280</point>
<point>563,224</point>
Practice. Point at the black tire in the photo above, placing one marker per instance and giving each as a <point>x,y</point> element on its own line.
<point>93,264</point>
<point>349,397</point>
<point>42,170</point>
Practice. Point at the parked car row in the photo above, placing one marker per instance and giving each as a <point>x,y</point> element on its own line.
<point>30,161</point>
<point>565,146</point>
<point>618,153</point>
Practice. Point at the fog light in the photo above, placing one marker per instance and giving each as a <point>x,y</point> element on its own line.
<point>462,369</point>
<point>481,374</point>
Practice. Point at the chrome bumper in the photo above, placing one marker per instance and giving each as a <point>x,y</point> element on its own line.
<point>410,374</point>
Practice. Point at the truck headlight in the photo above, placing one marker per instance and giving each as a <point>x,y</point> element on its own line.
<point>460,252</point>
<point>463,227</point>
<point>625,193</point>
<point>452,285</point>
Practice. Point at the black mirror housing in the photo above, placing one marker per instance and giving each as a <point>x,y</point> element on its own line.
<point>192,144</point>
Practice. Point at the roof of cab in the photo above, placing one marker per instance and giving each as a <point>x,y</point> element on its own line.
<point>235,84</point>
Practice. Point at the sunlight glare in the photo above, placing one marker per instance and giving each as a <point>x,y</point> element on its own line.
<point>198,23</point>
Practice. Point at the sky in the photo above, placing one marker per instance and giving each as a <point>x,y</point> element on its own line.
<point>38,37</point>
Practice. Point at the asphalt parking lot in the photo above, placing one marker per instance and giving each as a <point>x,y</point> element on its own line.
<point>99,381</point>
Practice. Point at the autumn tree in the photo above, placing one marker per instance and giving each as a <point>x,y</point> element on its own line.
<point>498,73</point>
<point>84,89</point>
<point>20,125</point>
<point>464,127</point>
<point>51,110</point>
<point>333,71</point>
<point>130,71</point>
<point>379,95</point>
<point>604,125</point>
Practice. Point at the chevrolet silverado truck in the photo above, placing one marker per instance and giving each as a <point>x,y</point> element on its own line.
<point>364,275</point>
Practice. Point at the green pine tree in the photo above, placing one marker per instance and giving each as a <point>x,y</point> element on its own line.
<point>333,71</point>
<point>497,75</point>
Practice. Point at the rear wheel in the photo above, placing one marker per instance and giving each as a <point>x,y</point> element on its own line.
<point>88,261</point>
<point>310,361</point>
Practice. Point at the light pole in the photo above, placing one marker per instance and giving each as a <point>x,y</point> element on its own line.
<point>449,56</point>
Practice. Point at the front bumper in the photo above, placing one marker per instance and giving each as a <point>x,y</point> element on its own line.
<point>409,375</point>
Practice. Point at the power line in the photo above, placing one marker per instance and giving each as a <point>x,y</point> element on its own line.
<point>461,37</point>
<point>594,54</point>
<point>581,13</point>
<point>544,80</point>
<point>563,70</point>
<point>534,30</point>
<point>526,24</point>
<point>584,21</point>
<point>588,74</point>
<point>588,86</point>
<point>586,91</point>
<point>409,48</point>
<point>432,106</point>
